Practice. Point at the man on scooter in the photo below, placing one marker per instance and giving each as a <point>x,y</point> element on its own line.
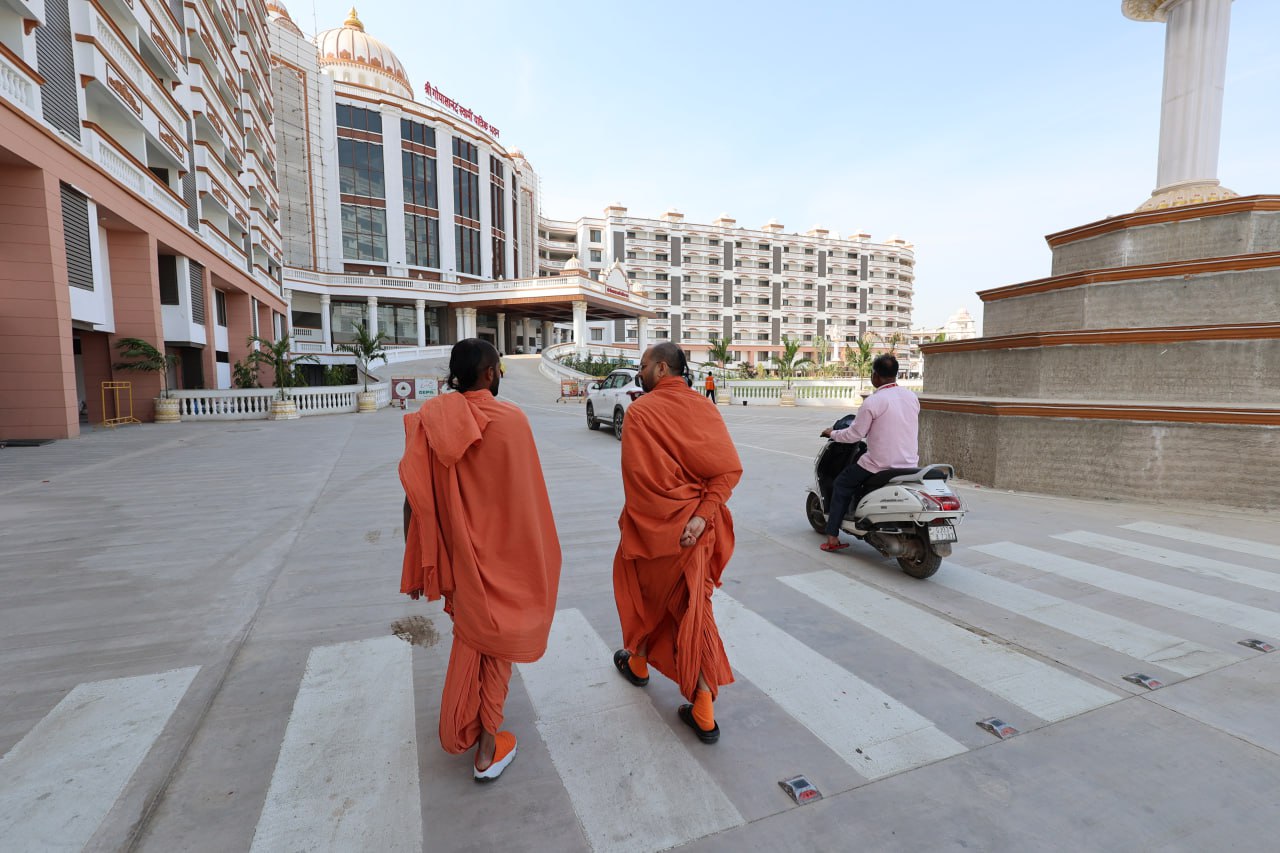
<point>889,422</point>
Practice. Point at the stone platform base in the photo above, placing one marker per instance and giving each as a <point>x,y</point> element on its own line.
<point>1126,460</point>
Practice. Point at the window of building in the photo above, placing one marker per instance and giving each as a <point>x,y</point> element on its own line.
<point>422,240</point>
<point>714,243</point>
<point>414,131</point>
<point>358,118</point>
<point>466,180</point>
<point>360,169</point>
<point>631,235</point>
<point>661,257</point>
<point>597,334</point>
<point>364,232</point>
<point>597,256</point>
<point>594,235</point>
<point>808,251</point>
<point>714,279</point>
<point>764,265</point>
<point>662,277</point>
<point>762,336</point>
<point>168,279</point>
<point>467,242</point>
<point>220,308</point>
<point>764,247</point>
<point>420,184</point>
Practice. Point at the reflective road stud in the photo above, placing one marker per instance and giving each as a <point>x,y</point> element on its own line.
<point>1145,680</point>
<point>998,727</point>
<point>801,790</point>
<point>1260,645</point>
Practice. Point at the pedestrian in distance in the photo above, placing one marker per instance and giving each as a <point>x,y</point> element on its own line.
<point>709,387</point>
<point>679,467</point>
<point>479,532</point>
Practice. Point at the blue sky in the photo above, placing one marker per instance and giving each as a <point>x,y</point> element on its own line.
<point>971,129</point>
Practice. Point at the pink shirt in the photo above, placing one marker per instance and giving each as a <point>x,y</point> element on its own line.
<point>889,422</point>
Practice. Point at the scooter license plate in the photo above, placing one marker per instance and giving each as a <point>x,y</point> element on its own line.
<point>942,533</point>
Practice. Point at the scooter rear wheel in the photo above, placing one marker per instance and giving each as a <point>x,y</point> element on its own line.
<point>813,511</point>
<point>924,567</point>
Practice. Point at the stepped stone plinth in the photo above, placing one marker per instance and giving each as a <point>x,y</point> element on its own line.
<point>1146,367</point>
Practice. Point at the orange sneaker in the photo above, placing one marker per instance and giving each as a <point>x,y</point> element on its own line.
<point>503,755</point>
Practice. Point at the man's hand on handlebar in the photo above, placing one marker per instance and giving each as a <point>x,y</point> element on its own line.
<point>826,433</point>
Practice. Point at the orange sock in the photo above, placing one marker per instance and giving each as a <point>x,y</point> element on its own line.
<point>702,713</point>
<point>639,666</point>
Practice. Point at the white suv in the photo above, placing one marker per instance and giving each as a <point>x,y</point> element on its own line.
<point>608,401</point>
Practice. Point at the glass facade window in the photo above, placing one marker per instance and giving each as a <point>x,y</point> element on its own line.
<point>466,192</point>
<point>422,241</point>
<point>467,241</point>
<point>364,232</point>
<point>420,184</point>
<point>498,216</point>
<point>414,131</point>
<point>400,322</point>
<point>358,118</point>
<point>360,169</point>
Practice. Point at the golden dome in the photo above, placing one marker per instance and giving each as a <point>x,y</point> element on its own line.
<point>354,56</point>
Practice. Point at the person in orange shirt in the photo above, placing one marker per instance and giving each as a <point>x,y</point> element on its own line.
<point>479,532</point>
<point>679,467</point>
<point>709,387</point>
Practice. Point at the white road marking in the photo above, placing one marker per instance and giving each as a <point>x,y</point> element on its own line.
<point>876,734</point>
<point>1043,690</point>
<point>1266,623</point>
<point>775,450</point>
<point>632,781</point>
<point>1172,653</point>
<point>347,774</point>
<point>1178,560</point>
<point>60,781</point>
<point>1212,540</point>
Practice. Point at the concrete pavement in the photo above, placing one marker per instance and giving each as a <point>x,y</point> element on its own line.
<point>245,576</point>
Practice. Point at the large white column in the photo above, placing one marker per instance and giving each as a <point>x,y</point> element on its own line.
<point>642,334</point>
<point>326,323</point>
<point>1195,70</point>
<point>580,326</point>
<point>548,333</point>
<point>288,312</point>
<point>420,307</point>
<point>502,332</point>
<point>371,317</point>
<point>467,322</point>
<point>461,322</point>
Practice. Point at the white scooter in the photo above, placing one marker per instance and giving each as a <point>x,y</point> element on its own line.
<point>906,513</point>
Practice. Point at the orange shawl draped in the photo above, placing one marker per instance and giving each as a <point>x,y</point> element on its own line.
<point>482,534</point>
<point>678,461</point>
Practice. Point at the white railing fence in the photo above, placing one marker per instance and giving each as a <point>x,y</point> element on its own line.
<point>235,404</point>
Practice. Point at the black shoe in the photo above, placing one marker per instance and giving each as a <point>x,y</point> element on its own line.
<point>685,712</point>
<point>622,660</point>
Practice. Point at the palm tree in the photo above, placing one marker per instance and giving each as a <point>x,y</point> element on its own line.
<point>822,349</point>
<point>893,340</point>
<point>275,355</point>
<point>719,351</point>
<point>367,349</point>
<point>146,359</point>
<point>942,336</point>
<point>859,358</point>
<point>790,359</point>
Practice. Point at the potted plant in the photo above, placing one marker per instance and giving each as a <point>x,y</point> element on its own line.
<point>147,359</point>
<point>788,362</point>
<point>367,349</point>
<point>275,356</point>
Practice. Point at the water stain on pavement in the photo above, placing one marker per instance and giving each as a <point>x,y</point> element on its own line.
<point>416,631</point>
<point>373,536</point>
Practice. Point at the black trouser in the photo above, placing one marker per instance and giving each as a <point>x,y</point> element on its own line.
<point>842,491</point>
<point>711,394</point>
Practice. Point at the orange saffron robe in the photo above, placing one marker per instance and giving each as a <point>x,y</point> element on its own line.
<point>481,536</point>
<point>677,461</point>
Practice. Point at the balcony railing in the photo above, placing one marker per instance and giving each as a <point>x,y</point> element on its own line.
<point>19,83</point>
<point>254,403</point>
<point>130,173</point>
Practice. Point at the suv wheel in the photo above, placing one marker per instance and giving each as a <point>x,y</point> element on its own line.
<point>592,423</point>
<point>617,423</point>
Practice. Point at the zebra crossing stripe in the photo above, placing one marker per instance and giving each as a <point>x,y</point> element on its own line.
<point>1211,540</point>
<point>1043,690</point>
<point>1172,653</point>
<point>60,781</point>
<point>1255,620</point>
<point>875,733</point>
<point>1178,560</point>
<point>347,774</point>
<point>633,783</point>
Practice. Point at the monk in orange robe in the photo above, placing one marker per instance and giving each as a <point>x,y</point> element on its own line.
<point>479,532</point>
<point>679,467</point>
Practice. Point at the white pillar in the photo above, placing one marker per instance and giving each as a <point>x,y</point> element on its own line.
<point>326,323</point>
<point>642,334</point>
<point>420,306</point>
<point>466,322</point>
<point>1195,70</point>
<point>288,312</point>
<point>461,322</point>
<point>548,333</point>
<point>371,317</point>
<point>580,326</point>
<point>502,332</point>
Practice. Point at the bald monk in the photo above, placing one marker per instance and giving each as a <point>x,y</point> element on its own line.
<point>679,467</point>
<point>479,532</point>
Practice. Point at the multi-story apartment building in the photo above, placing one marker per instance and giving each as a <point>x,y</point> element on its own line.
<point>751,287</point>
<point>137,199</point>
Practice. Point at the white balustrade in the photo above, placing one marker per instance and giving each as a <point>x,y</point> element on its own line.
<point>241,404</point>
<point>17,87</point>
